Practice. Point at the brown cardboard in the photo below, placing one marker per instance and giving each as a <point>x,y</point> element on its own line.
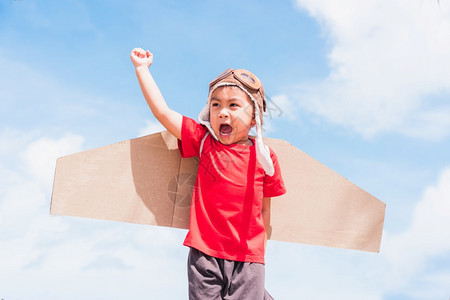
<point>145,181</point>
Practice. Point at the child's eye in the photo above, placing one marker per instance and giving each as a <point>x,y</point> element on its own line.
<point>214,104</point>
<point>234,105</point>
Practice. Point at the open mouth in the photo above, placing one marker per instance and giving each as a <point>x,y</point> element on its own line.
<point>225,129</point>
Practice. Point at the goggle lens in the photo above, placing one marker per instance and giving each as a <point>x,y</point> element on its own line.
<point>247,80</point>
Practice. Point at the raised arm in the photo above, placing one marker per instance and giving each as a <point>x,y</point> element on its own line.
<point>169,118</point>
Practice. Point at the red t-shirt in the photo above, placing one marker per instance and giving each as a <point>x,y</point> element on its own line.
<point>226,220</point>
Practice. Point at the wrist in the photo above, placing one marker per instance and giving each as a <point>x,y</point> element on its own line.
<point>142,68</point>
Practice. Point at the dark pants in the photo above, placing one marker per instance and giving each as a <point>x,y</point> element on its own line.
<point>213,278</point>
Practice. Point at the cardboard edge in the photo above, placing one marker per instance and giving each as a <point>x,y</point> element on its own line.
<point>53,187</point>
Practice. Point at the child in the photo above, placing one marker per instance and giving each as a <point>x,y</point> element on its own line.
<point>230,211</point>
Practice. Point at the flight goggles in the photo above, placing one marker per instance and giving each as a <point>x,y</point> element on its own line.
<point>247,80</point>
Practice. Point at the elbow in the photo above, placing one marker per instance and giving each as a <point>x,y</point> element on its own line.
<point>163,116</point>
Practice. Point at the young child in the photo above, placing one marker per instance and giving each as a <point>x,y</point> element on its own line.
<point>230,211</point>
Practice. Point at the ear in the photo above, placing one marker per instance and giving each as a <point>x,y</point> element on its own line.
<point>253,122</point>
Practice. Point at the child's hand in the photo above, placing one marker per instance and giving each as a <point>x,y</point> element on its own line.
<point>139,57</point>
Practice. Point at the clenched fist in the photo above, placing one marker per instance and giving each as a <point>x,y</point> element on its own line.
<point>141,58</point>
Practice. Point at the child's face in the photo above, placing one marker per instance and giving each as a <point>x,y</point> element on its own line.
<point>231,115</point>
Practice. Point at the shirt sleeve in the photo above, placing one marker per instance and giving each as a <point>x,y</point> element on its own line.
<point>192,134</point>
<point>274,185</point>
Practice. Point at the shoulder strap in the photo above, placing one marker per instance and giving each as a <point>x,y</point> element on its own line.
<point>201,144</point>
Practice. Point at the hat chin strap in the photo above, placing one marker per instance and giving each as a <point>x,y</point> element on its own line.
<point>262,151</point>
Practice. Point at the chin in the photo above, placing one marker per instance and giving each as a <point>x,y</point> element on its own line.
<point>226,140</point>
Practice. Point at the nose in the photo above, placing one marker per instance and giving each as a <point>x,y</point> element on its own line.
<point>224,113</point>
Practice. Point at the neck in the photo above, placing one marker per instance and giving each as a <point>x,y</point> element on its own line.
<point>247,142</point>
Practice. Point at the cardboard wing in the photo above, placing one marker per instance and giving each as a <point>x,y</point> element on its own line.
<point>145,181</point>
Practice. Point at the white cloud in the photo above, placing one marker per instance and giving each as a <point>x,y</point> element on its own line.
<point>411,264</point>
<point>281,106</point>
<point>40,155</point>
<point>25,196</point>
<point>28,179</point>
<point>428,238</point>
<point>388,66</point>
<point>51,254</point>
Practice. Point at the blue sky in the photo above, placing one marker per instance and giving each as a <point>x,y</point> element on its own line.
<point>362,86</point>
